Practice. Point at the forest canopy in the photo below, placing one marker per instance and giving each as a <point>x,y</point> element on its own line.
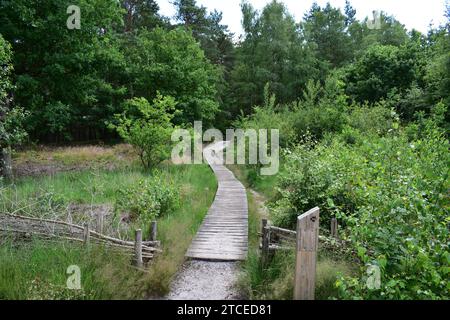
<point>72,82</point>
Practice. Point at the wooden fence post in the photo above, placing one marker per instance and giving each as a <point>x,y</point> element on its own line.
<point>307,244</point>
<point>265,241</point>
<point>99,222</point>
<point>86,234</point>
<point>153,231</point>
<point>334,228</point>
<point>138,249</point>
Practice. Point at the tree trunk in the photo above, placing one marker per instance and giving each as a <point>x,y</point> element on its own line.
<point>6,163</point>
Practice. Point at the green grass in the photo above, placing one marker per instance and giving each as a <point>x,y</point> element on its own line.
<point>38,270</point>
<point>20,265</point>
<point>94,186</point>
<point>263,184</point>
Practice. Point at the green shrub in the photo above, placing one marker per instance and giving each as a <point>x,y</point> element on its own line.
<point>271,116</point>
<point>149,199</point>
<point>147,127</point>
<point>376,119</point>
<point>390,193</point>
<point>322,109</point>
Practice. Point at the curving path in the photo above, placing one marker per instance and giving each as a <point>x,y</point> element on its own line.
<point>223,235</point>
<point>212,270</point>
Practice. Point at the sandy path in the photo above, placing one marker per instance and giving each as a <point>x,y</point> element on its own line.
<point>204,280</point>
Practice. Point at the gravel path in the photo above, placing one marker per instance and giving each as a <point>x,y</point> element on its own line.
<point>203,280</point>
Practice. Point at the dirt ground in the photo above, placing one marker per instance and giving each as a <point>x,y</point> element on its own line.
<point>203,280</point>
<point>46,160</point>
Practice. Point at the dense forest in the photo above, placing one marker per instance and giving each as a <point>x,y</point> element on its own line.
<point>70,83</point>
<point>362,111</point>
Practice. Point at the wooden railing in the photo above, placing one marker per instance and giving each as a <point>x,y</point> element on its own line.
<point>53,230</point>
<point>285,239</point>
<point>305,240</point>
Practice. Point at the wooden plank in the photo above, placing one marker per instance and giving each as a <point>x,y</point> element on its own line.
<point>223,235</point>
<point>307,244</point>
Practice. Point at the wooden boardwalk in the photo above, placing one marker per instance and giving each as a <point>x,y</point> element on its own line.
<point>223,235</point>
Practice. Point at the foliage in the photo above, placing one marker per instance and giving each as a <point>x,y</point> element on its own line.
<point>147,127</point>
<point>270,116</point>
<point>321,110</point>
<point>437,70</point>
<point>66,79</point>
<point>149,199</point>
<point>380,71</point>
<point>272,52</point>
<point>214,37</point>
<point>390,193</point>
<point>11,118</point>
<point>326,28</point>
<point>141,14</point>
<point>172,63</point>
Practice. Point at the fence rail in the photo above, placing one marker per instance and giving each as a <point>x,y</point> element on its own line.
<point>305,240</point>
<point>53,230</point>
<point>285,239</point>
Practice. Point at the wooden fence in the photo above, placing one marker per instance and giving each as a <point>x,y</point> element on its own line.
<point>51,230</point>
<point>306,242</point>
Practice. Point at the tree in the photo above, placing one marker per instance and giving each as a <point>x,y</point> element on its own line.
<point>141,14</point>
<point>69,80</point>
<point>326,28</point>
<point>214,37</point>
<point>11,132</point>
<point>172,63</point>
<point>382,71</point>
<point>391,32</point>
<point>216,41</point>
<point>350,14</point>
<point>147,127</point>
<point>437,71</point>
<point>272,52</point>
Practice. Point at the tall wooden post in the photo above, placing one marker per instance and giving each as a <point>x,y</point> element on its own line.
<point>265,241</point>
<point>307,244</point>
<point>86,234</point>
<point>138,249</point>
<point>334,228</point>
<point>153,231</point>
<point>99,222</point>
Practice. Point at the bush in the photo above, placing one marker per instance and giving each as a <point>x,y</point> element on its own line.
<point>390,193</point>
<point>147,127</point>
<point>271,116</point>
<point>322,109</point>
<point>149,199</point>
<point>376,119</point>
